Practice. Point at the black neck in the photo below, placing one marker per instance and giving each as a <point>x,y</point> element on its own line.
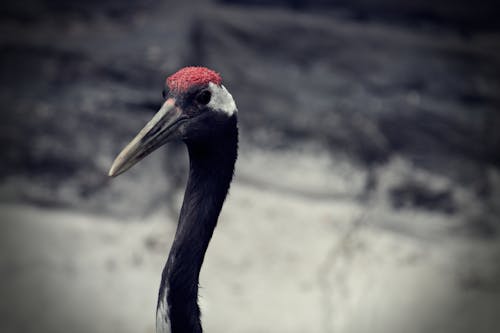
<point>210,174</point>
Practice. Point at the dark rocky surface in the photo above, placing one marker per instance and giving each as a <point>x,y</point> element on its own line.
<point>78,78</point>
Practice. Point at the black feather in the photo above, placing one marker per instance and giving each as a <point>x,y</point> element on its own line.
<point>212,157</point>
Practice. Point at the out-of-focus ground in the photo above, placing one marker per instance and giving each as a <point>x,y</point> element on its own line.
<point>367,190</point>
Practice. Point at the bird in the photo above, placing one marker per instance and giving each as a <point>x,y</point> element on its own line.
<point>199,111</point>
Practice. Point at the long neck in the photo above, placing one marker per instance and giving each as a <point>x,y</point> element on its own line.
<point>210,174</point>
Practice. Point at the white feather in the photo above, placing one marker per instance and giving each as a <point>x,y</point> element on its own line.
<point>221,99</point>
<point>162,319</point>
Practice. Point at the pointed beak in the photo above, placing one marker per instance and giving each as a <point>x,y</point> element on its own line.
<point>162,128</point>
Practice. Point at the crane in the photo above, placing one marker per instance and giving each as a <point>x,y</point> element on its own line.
<point>200,111</point>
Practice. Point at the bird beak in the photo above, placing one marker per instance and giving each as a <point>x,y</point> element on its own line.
<point>163,127</point>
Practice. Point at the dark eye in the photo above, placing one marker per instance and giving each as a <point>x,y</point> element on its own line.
<point>164,93</point>
<point>204,97</point>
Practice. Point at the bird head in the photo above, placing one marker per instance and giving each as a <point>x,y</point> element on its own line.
<point>197,108</point>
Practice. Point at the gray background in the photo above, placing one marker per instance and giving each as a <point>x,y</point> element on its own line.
<point>366,196</point>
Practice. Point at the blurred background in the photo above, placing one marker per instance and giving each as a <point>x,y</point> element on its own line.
<point>367,191</point>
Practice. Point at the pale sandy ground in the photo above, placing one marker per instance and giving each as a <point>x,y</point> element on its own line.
<point>280,261</point>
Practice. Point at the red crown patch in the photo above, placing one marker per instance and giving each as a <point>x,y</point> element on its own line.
<point>188,77</point>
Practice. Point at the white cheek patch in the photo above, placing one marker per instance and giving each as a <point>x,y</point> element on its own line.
<point>221,99</point>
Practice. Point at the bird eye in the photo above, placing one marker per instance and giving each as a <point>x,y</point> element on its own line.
<point>204,97</point>
<point>164,93</point>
